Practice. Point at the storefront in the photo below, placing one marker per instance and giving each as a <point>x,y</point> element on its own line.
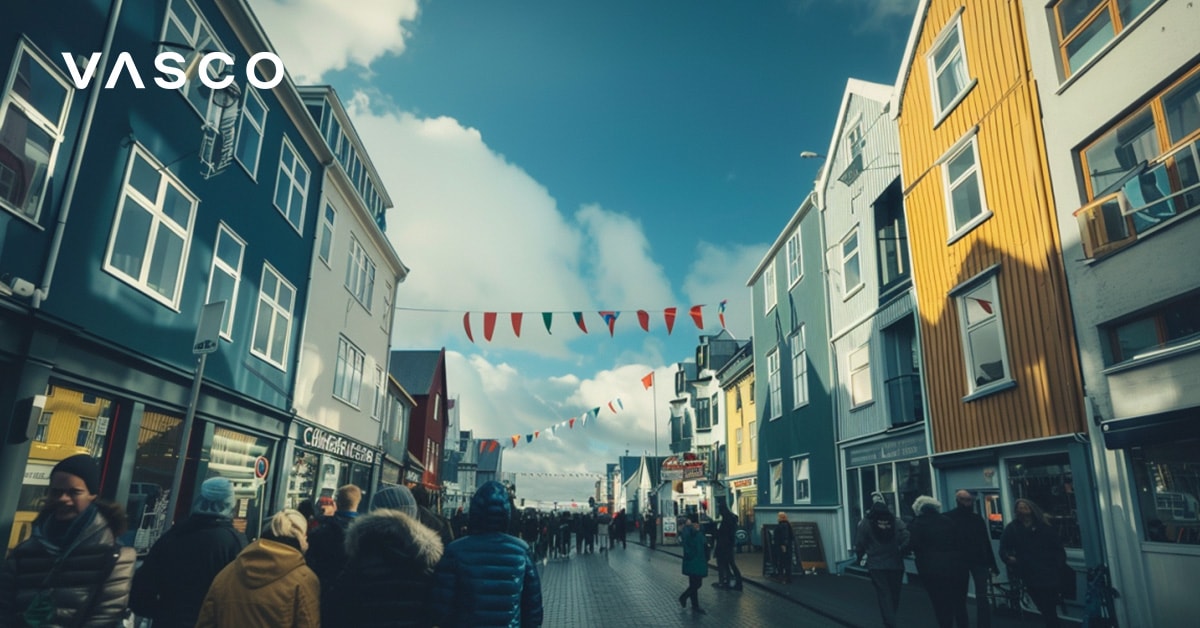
<point>323,460</point>
<point>896,467</point>
<point>745,498</point>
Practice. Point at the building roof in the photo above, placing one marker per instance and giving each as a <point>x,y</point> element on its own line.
<point>629,466</point>
<point>910,53</point>
<point>739,363</point>
<point>414,369</point>
<point>854,87</point>
<point>805,206</point>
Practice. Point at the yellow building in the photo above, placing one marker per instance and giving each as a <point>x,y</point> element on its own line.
<point>741,434</point>
<point>1001,365</point>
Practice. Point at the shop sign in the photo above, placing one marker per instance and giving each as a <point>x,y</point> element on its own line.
<point>412,476</point>
<point>674,468</point>
<point>318,438</point>
<point>911,446</point>
<point>37,474</point>
<point>743,483</point>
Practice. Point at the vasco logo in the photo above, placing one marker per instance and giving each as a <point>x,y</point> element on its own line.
<point>172,64</point>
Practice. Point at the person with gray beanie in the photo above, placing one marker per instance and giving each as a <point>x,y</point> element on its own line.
<point>396,498</point>
<point>205,543</point>
<point>879,538</point>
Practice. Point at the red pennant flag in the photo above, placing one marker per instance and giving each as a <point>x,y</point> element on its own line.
<point>610,318</point>
<point>516,438</point>
<point>493,445</point>
<point>697,317</point>
<point>648,380</point>
<point>610,407</point>
<point>572,426</point>
<point>721,312</point>
<point>579,321</point>
<point>489,325</point>
<point>535,434</point>
<point>644,319</point>
<point>467,326</point>
<point>516,322</point>
<point>986,306</point>
<point>669,316</point>
<point>482,444</point>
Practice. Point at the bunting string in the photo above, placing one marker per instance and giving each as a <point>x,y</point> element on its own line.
<point>614,405</point>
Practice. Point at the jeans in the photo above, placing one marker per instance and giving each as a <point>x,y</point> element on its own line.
<point>887,591</point>
<point>693,591</point>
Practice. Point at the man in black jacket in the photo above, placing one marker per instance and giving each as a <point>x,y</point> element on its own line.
<point>728,574</point>
<point>326,554</point>
<point>971,533</point>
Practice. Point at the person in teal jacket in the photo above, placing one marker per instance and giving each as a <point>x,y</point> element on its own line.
<point>695,563</point>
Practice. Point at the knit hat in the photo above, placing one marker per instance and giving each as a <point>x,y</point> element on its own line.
<point>880,507</point>
<point>395,498</point>
<point>83,467</point>
<point>216,498</point>
<point>877,498</point>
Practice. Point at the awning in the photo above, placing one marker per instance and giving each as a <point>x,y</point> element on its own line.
<point>687,467</point>
<point>1150,430</point>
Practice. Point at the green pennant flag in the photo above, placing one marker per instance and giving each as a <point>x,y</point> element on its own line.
<point>547,317</point>
<point>596,412</point>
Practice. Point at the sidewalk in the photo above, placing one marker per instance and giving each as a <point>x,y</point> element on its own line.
<point>847,600</point>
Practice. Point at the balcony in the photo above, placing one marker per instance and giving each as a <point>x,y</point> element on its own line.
<point>1152,196</point>
<point>904,399</point>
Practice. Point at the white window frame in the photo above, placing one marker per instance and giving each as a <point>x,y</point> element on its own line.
<point>704,409</point>
<point>274,308</point>
<point>799,367</point>
<point>348,372</point>
<point>294,187</point>
<point>380,407</point>
<point>988,279</point>
<point>360,274</point>
<point>953,29</point>
<point>157,219</point>
<point>774,386</point>
<point>801,469</point>
<point>258,127</point>
<point>388,313</point>
<point>326,232</point>
<point>776,494</point>
<point>219,265</point>
<point>199,38</point>
<point>855,138</point>
<point>738,440</point>
<point>12,100</point>
<point>974,175</point>
<point>847,289</point>
<point>770,291</point>
<point>858,364</point>
<point>795,260</point>
<point>753,427</point>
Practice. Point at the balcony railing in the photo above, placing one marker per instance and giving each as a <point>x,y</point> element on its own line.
<point>904,399</point>
<point>1152,197</point>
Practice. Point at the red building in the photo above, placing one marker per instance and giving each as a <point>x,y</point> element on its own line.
<point>423,374</point>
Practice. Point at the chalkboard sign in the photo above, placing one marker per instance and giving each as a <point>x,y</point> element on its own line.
<point>808,551</point>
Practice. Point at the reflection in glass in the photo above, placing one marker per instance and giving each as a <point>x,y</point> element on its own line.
<point>232,455</point>
<point>1167,477</point>
<point>157,453</point>
<point>1047,481</point>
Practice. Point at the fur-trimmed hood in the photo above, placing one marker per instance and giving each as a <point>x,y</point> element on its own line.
<point>393,532</point>
<point>925,502</point>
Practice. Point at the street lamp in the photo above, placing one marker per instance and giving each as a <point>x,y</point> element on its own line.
<point>808,154</point>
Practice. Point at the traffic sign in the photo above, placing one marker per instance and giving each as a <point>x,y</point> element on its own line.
<point>208,332</point>
<point>261,466</point>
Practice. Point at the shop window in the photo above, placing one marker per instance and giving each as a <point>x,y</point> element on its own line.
<point>302,480</point>
<point>1047,481</point>
<point>157,452</point>
<point>231,454</point>
<point>1167,477</point>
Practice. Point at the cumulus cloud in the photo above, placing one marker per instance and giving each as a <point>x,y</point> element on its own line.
<point>723,270</point>
<point>314,37</point>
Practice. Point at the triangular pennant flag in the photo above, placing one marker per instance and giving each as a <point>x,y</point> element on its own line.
<point>489,325</point>
<point>583,420</point>
<point>610,318</point>
<point>697,317</point>
<point>547,318</point>
<point>579,321</point>
<point>553,428</point>
<point>572,424</point>
<point>467,326</point>
<point>648,380</point>
<point>610,407</point>
<point>535,434</point>
<point>619,404</point>
<point>596,412</point>
<point>516,322</point>
<point>644,319</point>
<point>721,312</point>
<point>529,438</point>
<point>669,316</point>
<point>515,439</point>
<point>482,444</point>
<point>494,445</point>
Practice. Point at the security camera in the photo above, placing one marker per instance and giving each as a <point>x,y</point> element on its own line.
<point>22,288</point>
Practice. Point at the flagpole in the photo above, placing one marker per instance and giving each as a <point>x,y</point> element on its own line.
<point>655,384</point>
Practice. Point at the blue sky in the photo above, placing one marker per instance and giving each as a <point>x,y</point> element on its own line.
<point>550,155</point>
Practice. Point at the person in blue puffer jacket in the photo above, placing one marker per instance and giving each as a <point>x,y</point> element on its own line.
<point>487,578</point>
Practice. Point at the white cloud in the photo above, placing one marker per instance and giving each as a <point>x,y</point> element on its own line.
<point>723,270</point>
<point>314,37</point>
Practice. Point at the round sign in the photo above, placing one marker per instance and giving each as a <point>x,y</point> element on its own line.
<point>741,536</point>
<point>260,467</point>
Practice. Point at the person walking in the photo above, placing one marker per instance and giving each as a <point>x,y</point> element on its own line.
<point>652,529</point>
<point>389,568</point>
<point>326,553</point>
<point>728,574</point>
<point>427,513</point>
<point>621,525</point>
<point>971,534</point>
<point>70,572</point>
<point>879,537</point>
<point>267,585</point>
<point>205,543</point>
<point>695,564</point>
<point>487,578</point>
<point>785,541</point>
<point>940,563</point>
<point>1031,548</point>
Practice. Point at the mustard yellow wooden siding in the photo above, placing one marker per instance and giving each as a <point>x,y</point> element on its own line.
<point>1021,236</point>
<point>740,418</point>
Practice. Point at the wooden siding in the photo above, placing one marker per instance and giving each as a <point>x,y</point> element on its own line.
<point>740,418</point>
<point>1021,236</point>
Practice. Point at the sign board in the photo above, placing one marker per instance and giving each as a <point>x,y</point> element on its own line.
<point>808,552</point>
<point>335,444</point>
<point>208,332</point>
<point>261,466</point>
<point>668,526</point>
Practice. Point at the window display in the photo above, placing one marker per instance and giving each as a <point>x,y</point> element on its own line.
<point>1167,477</point>
<point>1047,481</point>
<point>231,454</point>
<point>157,452</point>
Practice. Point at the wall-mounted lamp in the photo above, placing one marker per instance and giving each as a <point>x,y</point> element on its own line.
<point>808,154</point>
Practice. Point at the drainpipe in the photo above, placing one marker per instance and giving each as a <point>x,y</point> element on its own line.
<point>85,128</point>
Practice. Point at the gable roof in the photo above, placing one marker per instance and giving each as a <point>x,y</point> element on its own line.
<point>414,369</point>
<point>877,92</point>
<point>805,205</point>
<point>910,53</point>
<point>629,466</point>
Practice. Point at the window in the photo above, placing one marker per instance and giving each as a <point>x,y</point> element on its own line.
<point>794,261</point>
<point>1047,481</point>
<point>43,427</point>
<point>348,372</point>
<point>32,113</point>
<point>703,414</point>
<point>774,384</point>
<point>851,271</point>
<point>380,394</point>
<point>891,237</point>
<point>186,28</point>
<point>738,397</point>
<point>152,230</point>
<point>859,365</point>
<point>855,140</point>
<point>250,132</point>
<point>1086,26</point>
<point>738,440</point>
<point>273,319</point>
<point>1170,324</point>
<point>777,482</point>
<point>360,274</point>
<point>716,408</point>
<point>799,368</point>
<point>802,493</point>
<point>437,406</point>
<point>769,295</point>
<point>87,429</point>
<point>291,186</point>
<point>963,185</point>
<point>226,275</point>
<point>753,427</point>
<point>388,313</point>
<point>983,336</point>
<point>325,243</point>
<point>948,68</point>
<point>1169,495</point>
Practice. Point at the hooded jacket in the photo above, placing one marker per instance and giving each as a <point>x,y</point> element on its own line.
<point>90,588</point>
<point>934,540</point>
<point>389,574</point>
<point>882,548</point>
<point>487,578</point>
<point>266,586</point>
<point>694,561</point>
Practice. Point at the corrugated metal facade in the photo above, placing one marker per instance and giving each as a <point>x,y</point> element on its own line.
<point>1021,236</point>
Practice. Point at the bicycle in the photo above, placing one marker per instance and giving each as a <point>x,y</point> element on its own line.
<point>1009,599</point>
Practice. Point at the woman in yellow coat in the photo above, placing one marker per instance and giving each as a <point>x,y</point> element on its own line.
<point>268,585</point>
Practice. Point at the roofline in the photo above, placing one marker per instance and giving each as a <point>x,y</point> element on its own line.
<point>347,123</point>
<point>403,390</point>
<point>805,206</point>
<point>910,52</point>
<point>877,92</point>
